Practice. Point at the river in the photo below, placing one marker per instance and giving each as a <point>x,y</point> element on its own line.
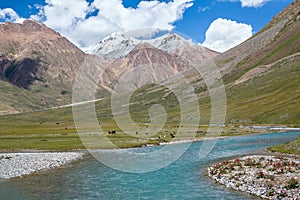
<point>186,178</point>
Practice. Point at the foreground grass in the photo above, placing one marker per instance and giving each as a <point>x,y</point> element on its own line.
<point>289,148</point>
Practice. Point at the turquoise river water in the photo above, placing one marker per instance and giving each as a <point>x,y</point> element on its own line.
<point>186,178</point>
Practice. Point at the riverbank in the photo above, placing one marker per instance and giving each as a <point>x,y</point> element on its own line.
<point>194,140</point>
<point>266,176</point>
<point>15,164</point>
<point>19,164</point>
<point>62,136</point>
<point>25,162</point>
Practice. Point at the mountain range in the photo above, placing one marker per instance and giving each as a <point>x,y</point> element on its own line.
<point>119,45</point>
<point>40,65</point>
<point>261,76</point>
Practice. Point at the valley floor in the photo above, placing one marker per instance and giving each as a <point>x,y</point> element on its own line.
<point>59,136</point>
<point>31,160</point>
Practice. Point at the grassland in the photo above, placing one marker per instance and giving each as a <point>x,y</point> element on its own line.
<point>57,134</point>
<point>272,97</point>
<point>55,130</point>
<point>289,148</point>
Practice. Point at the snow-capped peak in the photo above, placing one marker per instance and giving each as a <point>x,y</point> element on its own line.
<point>116,36</point>
<point>169,42</point>
<point>113,46</point>
<point>119,45</point>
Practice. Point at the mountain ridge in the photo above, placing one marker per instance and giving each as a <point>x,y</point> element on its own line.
<point>119,45</point>
<point>35,58</point>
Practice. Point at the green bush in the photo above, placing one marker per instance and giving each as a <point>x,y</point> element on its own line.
<point>292,184</point>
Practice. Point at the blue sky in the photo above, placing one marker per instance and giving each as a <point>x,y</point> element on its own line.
<point>195,23</point>
<point>189,17</point>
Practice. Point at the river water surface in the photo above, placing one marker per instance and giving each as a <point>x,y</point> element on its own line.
<point>186,178</point>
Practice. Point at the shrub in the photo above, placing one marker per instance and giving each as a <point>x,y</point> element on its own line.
<point>269,185</point>
<point>238,184</point>
<point>260,174</point>
<point>64,92</point>
<point>270,193</point>
<point>261,158</point>
<point>292,184</point>
<point>271,177</point>
<point>249,162</point>
<point>282,194</point>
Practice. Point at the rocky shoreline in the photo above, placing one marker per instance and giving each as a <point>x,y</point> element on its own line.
<point>266,176</point>
<point>19,164</point>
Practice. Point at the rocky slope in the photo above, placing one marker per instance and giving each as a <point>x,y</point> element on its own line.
<point>147,64</point>
<point>38,61</point>
<point>34,50</point>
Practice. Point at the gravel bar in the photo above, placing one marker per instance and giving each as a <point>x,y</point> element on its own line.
<point>19,164</point>
<point>269,177</point>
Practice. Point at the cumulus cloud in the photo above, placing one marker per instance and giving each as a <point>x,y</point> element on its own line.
<point>253,3</point>
<point>8,14</point>
<point>224,34</point>
<point>87,23</point>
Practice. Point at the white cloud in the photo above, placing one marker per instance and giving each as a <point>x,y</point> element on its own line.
<point>250,3</point>
<point>224,34</point>
<point>253,3</point>
<point>8,14</point>
<point>60,14</point>
<point>72,18</point>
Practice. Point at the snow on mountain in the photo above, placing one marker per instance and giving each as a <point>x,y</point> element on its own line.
<point>119,45</point>
<point>169,42</point>
<point>113,46</point>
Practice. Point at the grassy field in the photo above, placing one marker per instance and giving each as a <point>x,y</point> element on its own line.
<point>32,135</point>
<point>55,130</point>
<point>290,148</point>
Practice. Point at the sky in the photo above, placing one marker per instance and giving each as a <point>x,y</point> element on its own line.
<point>216,24</point>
